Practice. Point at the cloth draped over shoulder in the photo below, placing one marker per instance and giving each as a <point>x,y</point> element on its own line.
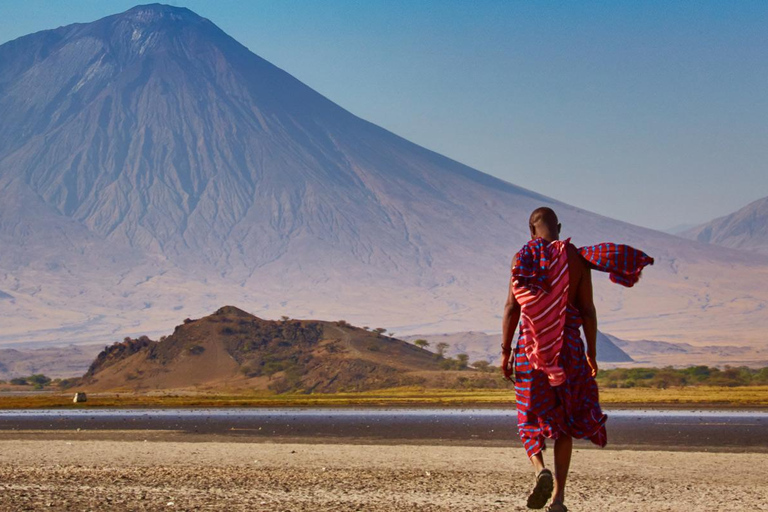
<point>554,388</point>
<point>541,283</point>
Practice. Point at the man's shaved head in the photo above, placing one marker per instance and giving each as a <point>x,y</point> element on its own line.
<point>543,223</point>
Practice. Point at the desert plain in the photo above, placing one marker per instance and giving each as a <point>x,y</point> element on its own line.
<point>135,474</point>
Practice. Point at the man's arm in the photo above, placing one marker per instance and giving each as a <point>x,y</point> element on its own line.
<point>588,312</point>
<point>509,322</point>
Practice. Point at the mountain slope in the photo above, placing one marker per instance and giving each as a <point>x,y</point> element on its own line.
<point>151,167</point>
<point>745,229</point>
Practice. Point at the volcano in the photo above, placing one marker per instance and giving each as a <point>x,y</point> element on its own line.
<point>151,166</point>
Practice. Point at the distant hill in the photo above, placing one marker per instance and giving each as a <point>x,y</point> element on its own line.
<point>612,350</point>
<point>482,346</point>
<point>232,349</point>
<point>745,229</point>
<point>663,353</point>
<point>608,352</point>
<point>54,362</point>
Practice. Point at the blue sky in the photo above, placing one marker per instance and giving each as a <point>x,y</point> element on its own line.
<point>652,112</point>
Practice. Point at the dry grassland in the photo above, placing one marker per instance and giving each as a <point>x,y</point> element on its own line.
<point>700,396</point>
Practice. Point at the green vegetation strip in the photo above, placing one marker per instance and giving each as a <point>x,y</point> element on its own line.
<point>696,386</point>
<point>662,378</point>
<point>692,396</point>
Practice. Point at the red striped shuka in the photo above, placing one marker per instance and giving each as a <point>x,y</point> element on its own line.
<point>554,388</point>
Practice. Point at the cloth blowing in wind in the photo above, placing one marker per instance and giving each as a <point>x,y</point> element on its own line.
<point>550,294</point>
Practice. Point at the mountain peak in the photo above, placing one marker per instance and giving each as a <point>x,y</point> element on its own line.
<point>146,29</point>
<point>153,13</point>
<point>143,20</point>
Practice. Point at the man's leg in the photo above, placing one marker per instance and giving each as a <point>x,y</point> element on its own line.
<point>538,462</point>
<point>542,491</point>
<point>563,449</point>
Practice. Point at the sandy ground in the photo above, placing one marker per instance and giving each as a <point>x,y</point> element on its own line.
<point>136,475</point>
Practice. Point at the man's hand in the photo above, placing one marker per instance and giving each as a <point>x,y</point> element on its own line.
<point>507,366</point>
<point>592,362</point>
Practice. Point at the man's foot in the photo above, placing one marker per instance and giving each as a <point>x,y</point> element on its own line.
<point>557,507</point>
<point>542,491</point>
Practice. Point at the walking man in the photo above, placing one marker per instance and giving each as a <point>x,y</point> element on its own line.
<point>550,294</point>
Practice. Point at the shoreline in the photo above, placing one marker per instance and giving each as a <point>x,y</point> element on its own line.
<point>383,406</point>
<point>723,431</point>
<point>184,438</point>
<point>700,398</point>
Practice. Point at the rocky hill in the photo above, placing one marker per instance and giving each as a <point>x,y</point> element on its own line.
<point>234,350</point>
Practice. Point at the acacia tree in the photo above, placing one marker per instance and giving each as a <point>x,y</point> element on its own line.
<point>462,361</point>
<point>441,348</point>
<point>482,365</point>
<point>421,343</point>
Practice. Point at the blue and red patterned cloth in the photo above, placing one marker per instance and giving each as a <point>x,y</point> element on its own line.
<point>555,391</point>
<point>622,262</point>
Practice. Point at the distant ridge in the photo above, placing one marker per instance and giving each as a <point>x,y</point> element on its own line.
<point>745,229</point>
<point>609,352</point>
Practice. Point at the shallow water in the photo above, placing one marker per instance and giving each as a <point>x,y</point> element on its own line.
<point>667,429</point>
<point>362,411</point>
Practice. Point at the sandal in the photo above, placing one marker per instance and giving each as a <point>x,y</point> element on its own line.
<point>541,493</point>
<point>557,507</point>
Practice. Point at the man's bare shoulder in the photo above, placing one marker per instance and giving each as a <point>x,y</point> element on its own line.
<point>575,260</point>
